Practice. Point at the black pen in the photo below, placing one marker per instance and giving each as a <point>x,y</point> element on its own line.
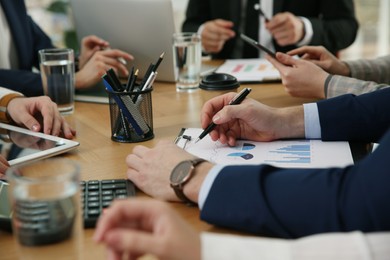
<point>147,74</point>
<point>258,8</point>
<point>117,84</point>
<point>130,79</point>
<point>155,67</point>
<point>133,82</point>
<point>235,101</point>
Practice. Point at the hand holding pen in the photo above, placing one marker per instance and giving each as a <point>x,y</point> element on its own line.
<point>261,13</point>
<point>235,101</point>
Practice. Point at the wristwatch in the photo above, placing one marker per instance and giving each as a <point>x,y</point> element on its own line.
<point>180,175</point>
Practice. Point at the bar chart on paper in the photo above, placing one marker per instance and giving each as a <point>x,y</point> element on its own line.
<point>285,153</point>
<point>250,70</point>
<point>295,153</point>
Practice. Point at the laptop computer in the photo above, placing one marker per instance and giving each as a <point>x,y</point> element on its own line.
<point>142,28</point>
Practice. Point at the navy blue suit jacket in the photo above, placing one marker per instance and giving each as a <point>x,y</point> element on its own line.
<point>292,203</point>
<point>334,22</point>
<point>28,39</point>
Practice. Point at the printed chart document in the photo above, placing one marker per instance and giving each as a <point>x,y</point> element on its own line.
<point>250,70</point>
<point>285,153</point>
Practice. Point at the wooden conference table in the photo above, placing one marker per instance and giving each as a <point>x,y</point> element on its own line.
<point>102,158</point>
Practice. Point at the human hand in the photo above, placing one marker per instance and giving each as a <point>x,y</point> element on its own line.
<point>39,114</point>
<point>136,227</point>
<point>89,45</point>
<point>98,64</point>
<point>4,165</point>
<point>323,58</point>
<point>215,33</point>
<point>300,78</point>
<point>286,28</point>
<point>250,120</point>
<point>150,168</point>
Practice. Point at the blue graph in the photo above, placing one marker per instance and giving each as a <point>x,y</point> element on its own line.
<point>245,147</point>
<point>295,153</point>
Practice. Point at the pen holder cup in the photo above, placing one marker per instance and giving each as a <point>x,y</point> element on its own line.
<point>131,116</point>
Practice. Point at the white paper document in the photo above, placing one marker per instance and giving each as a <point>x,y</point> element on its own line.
<point>250,70</point>
<point>285,153</point>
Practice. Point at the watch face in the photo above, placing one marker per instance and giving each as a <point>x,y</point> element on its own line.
<point>181,173</point>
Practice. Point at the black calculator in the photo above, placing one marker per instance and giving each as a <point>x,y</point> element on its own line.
<point>96,195</point>
<point>99,194</point>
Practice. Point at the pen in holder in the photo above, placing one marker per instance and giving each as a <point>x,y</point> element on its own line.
<point>131,115</point>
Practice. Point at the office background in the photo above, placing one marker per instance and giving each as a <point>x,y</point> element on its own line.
<point>373,15</point>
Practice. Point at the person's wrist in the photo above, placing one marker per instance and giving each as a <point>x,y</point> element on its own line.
<point>345,71</point>
<point>192,188</point>
<point>79,80</point>
<point>291,123</point>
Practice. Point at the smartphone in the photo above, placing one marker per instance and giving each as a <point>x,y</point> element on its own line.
<point>258,45</point>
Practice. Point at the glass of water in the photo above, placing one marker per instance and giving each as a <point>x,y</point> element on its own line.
<point>46,205</point>
<point>58,77</point>
<point>187,60</point>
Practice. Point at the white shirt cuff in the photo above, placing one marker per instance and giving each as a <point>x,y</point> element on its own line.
<point>207,183</point>
<point>200,30</point>
<point>312,121</point>
<point>308,32</point>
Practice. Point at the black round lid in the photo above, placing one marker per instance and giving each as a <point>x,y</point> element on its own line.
<point>219,81</point>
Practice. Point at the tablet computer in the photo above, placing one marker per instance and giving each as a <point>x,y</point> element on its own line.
<point>20,145</point>
<point>257,45</point>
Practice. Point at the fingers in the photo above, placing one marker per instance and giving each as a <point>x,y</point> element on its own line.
<point>212,106</point>
<point>135,242</point>
<point>140,150</point>
<point>111,58</point>
<point>282,63</point>
<point>216,33</point>
<point>286,28</point>
<point>93,40</point>
<point>309,51</point>
<point>4,165</point>
<point>131,210</point>
<point>67,130</point>
<point>31,111</point>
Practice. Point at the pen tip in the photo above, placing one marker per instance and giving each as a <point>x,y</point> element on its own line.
<point>197,140</point>
<point>162,55</point>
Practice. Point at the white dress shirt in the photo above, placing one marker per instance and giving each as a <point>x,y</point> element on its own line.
<point>347,246</point>
<point>8,54</point>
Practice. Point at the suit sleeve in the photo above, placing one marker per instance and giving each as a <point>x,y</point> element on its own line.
<point>340,85</point>
<point>371,69</point>
<point>337,27</point>
<point>361,118</point>
<point>27,82</point>
<point>197,13</point>
<point>292,203</point>
<point>29,39</point>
